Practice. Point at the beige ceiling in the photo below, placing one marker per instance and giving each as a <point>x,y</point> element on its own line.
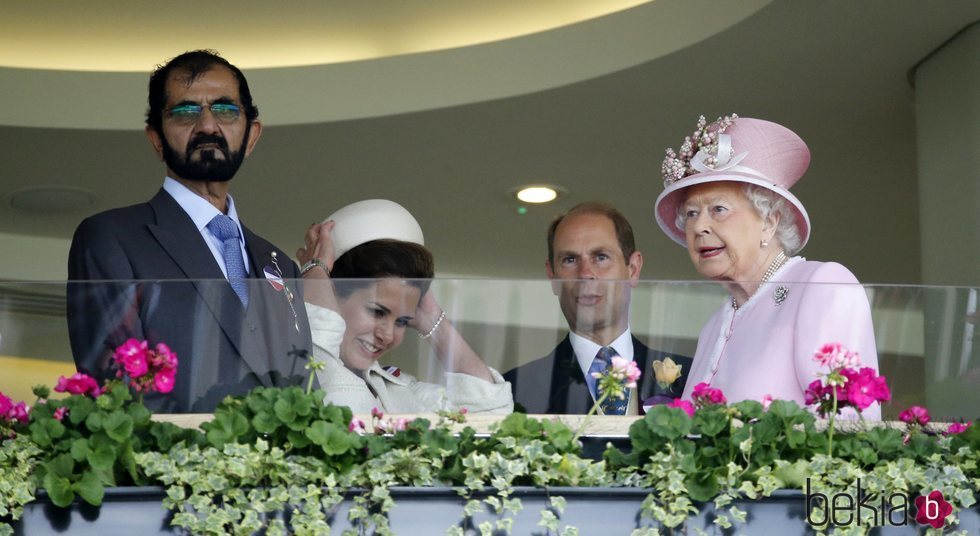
<point>447,127</point>
<point>122,35</point>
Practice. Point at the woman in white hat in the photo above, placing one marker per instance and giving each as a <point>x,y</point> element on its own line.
<point>366,276</point>
<point>727,200</point>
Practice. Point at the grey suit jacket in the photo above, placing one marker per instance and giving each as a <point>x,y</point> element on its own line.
<point>144,271</point>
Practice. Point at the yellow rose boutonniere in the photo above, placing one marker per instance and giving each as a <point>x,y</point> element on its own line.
<point>666,372</point>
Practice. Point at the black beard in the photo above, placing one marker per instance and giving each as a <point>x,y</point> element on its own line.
<point>207,168</point>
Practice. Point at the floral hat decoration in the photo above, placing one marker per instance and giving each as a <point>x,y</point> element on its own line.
<point>738,149</point>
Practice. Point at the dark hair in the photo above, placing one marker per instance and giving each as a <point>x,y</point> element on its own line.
<point>624,231</point>
<point>383,258</point>
<point>193,63</point>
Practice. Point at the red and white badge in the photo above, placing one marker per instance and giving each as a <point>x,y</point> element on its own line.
<point>273,278</point>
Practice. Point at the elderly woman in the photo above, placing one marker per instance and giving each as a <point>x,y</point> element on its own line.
<point>727,199</point>
<point>361,304</point>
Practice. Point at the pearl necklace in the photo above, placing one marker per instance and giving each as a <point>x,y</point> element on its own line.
<point>776,264</point>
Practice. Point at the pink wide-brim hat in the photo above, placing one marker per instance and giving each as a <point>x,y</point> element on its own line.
<point>762,153</point>
<point>373,219</point>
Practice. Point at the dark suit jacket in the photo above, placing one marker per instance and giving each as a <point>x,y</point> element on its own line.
<point>555,384</point>
<point>144,271</point>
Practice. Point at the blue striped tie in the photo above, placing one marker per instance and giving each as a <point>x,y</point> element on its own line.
<point>225,230</point>
<point>612,405</point>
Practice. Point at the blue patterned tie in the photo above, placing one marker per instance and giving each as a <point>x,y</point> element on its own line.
<point>225,229</point>
<point>612,405</point>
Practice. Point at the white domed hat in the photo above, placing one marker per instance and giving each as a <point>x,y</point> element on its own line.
<point>738,149</point>
<point>373,219</point>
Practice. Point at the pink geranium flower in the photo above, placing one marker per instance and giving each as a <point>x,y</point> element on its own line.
<point>19,412</point>
<point>147,369</point>
<point>766,402</point>
<point>958,427</point>
<point>865,387</point>
<point>704,393</point>
<point>5,404</point>
<point>401,424</point>
<point>835,356</point>
<point>60,413</point>
<point>685,405</point>
<point>357,425</point>
<point>78,384</point>
<point>164,381</point>
<point>625,371</point>
<point>164,358</point>
<point>915,415</point>
<point>133,356</point>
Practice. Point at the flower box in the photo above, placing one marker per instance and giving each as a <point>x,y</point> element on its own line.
<point>421,510</point>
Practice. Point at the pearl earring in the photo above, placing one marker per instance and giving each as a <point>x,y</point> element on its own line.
<point>764,244</point>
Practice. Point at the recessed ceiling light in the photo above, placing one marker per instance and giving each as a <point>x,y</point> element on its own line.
<point>50,199</point>
<point>537,194</point>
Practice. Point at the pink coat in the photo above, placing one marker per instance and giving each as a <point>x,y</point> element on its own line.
<point>765,348</point>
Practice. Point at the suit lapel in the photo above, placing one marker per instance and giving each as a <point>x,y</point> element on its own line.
<point>570,393</point>
<point>647,381</point>
<point>179,237</point>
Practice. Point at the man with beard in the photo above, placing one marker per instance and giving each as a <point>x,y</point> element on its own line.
<point>593,263</point>
<point>217,297</point>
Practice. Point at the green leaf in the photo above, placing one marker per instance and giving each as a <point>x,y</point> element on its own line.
<point>330,437</point>
<point>45,431</point>
<point>102,457</point>
<point>95,421</point>
<point>39,434</point>
<point>886,441</point>
<point>516,425</point>
<point>61,466</point>
<point>59,489</point>
<point>79,449</point>
<point>118,425</point>
<point>790,412</point>
<point>702,486</point>
<point>79,408</point>
<point>749,409</point>
<point>166,434</point>
<point>710,421</point>
<point>226,427</point>
<point>922,445</point>
<point>708,452</point>
<point>265,422</point>
<point>90,488</point>
<point>795,438</point>
<point>793,475</point>
<point>766,431</point>
<point>333,413</point>
<point>139,414</point>
<point>118,395</point>
<point>298,439</point>
<point>669,423</point>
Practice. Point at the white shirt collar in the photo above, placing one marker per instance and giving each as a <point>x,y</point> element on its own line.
<point>200,211</point>
<point>585,350</point>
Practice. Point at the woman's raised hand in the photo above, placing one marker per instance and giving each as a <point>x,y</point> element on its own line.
<point>319,246</point>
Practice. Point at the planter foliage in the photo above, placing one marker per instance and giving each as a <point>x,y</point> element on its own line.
<point>280,461</point>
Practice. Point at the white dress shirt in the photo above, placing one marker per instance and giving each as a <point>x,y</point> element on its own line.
<point>201,213</point>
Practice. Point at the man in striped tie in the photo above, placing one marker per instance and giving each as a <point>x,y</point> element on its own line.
<point>210,298</point>
<point>593,261</point>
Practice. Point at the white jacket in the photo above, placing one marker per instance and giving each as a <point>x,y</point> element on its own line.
<point>397,391</point>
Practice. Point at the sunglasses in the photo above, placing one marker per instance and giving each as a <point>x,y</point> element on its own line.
<point>188,114</point>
